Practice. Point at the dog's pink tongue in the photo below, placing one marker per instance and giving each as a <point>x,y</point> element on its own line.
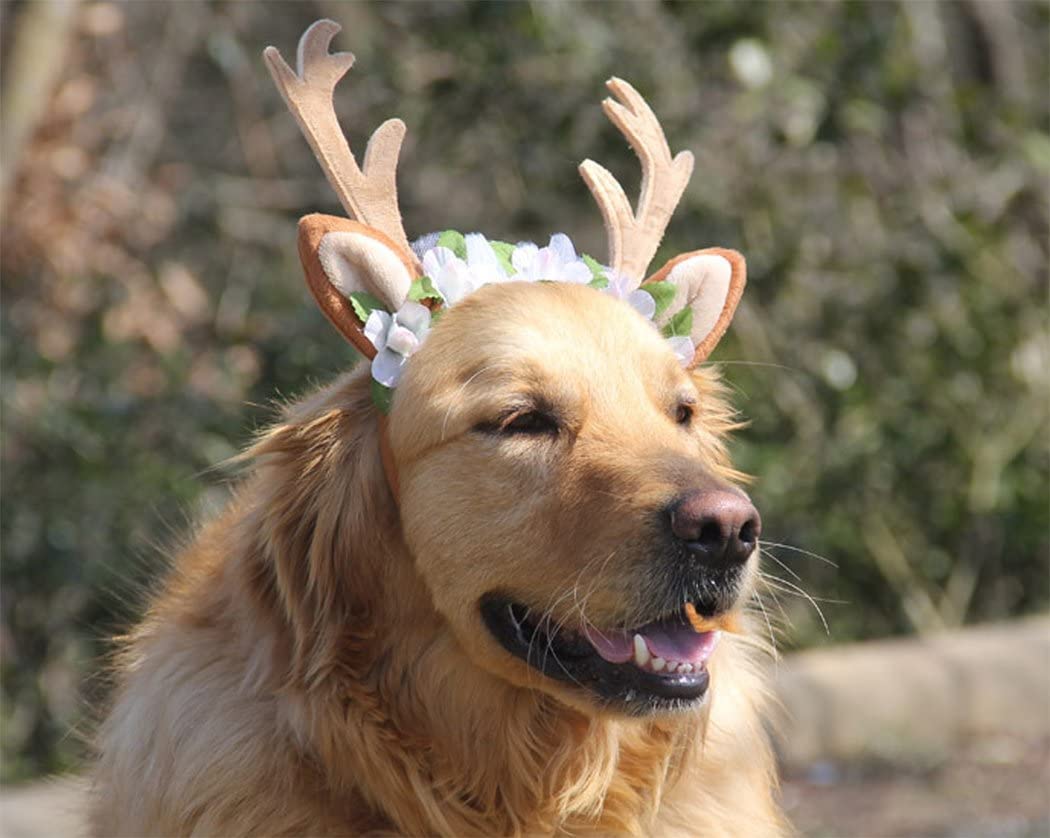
<point>670,642</point>
<point>679,643</point>
<point>614,646</point>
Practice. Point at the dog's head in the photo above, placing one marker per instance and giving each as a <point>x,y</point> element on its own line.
<point>560,473</point>
<point>563,489</point>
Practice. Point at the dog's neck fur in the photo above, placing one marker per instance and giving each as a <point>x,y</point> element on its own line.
<point>416,715</point>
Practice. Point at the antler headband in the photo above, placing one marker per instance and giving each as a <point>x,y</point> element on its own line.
<point>379,290</point>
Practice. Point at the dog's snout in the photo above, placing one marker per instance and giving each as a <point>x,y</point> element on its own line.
<point>719,526</point>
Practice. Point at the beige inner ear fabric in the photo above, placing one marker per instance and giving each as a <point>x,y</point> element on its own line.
<point>701,283</point>
<point>355,262</point>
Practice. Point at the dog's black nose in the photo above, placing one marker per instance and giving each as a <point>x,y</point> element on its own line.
<point>719,527</point>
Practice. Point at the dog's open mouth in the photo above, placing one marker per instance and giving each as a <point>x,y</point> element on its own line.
<point>658,665</point>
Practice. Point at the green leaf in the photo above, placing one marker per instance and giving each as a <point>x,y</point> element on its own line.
<point>662,294</point>
<point>364,304</point>
<point>597,271</point>
<point>503,251</point>
<point>453,241</point>
<point>423,289</point>
<point>681,325</point>
<point>382,396</point>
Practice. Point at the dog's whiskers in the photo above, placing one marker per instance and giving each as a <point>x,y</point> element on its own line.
<point>551,626</point>
<point>769,626</point>
<point>786,568</point>
<point>792,588</point>
<point>817,556</point>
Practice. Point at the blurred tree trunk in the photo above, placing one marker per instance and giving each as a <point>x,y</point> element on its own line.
<point>30,70</point>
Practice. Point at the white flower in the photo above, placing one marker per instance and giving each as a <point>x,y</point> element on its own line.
<point>482,261</point>
<point>557,262</point>
<point>396,337</point>
<point>620,286</point>
<point>454,278</point>
<point>684,348</point>
<point>449,273</point>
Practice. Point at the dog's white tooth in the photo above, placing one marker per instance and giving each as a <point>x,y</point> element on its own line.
<point>672,666</point>
<point>685,667</point>
<point>641,651</point>
<point>658,664</point>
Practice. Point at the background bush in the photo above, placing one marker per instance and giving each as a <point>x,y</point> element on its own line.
<point>883,166</point>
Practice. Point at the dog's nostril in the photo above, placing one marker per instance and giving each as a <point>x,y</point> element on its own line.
<point>749,532</point>
<point>716,526</point>
<point>710,534</point>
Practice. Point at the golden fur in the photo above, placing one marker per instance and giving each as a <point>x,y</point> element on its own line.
<point>316,664</point>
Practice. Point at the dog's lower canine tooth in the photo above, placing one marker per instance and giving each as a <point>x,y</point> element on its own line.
<point>641,651</point>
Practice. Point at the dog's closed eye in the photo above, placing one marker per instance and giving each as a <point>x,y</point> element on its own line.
<point>530,422</point>
<point>527,421</point>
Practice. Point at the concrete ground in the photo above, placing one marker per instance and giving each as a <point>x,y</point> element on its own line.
<point>52,808</point>
<point>940,736</point>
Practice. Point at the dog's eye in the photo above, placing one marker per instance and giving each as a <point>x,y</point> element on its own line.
<point>530,422</point>
<point>683,414</point>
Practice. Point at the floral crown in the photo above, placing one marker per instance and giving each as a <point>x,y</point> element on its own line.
<point>383,293</point>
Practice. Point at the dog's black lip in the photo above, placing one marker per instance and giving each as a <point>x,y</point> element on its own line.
<point>571,659</point>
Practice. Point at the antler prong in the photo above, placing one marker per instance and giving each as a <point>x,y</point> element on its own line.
<point>384,147</point>
<point>315,65</point>
<point>635,236</point>
<point>368,194</point>
<point>614,205</point>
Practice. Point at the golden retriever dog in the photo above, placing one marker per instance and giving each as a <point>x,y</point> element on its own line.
<point>516,605</point>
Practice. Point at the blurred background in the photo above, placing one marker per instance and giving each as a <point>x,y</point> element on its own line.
<point>883,166</point>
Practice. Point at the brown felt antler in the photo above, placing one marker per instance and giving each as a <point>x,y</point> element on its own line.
<point>634,237</point>
<point>368,193</point>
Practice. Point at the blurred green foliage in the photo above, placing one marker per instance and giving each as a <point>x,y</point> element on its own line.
<point>883,166</point>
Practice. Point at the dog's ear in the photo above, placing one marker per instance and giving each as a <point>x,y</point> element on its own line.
<point>351,268</point>
<point>707,286</point>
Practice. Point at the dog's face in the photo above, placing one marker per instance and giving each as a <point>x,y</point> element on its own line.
<point>562,492</point>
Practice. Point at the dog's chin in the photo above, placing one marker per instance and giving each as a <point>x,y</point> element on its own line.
<point>657,667</point>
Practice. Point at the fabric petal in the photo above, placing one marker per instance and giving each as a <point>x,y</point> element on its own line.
<point>414,317</point>
<point>401,340</point>
<point>547,265</point>
<point>376,327</point>
<point>459,281</point>
<point>449,274</point>
<point>386,367</point>
<point>576,272</point>
<point>683,347</point>
<point>437,260</point>
<point>524,260</point>
<point>619,284</point>
<point>643,303</point>
<point>482,261</point>
<point>561,244</point>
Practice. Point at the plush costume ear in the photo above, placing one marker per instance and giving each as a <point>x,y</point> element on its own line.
<point>710,283</point>
<point>344,258</point>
